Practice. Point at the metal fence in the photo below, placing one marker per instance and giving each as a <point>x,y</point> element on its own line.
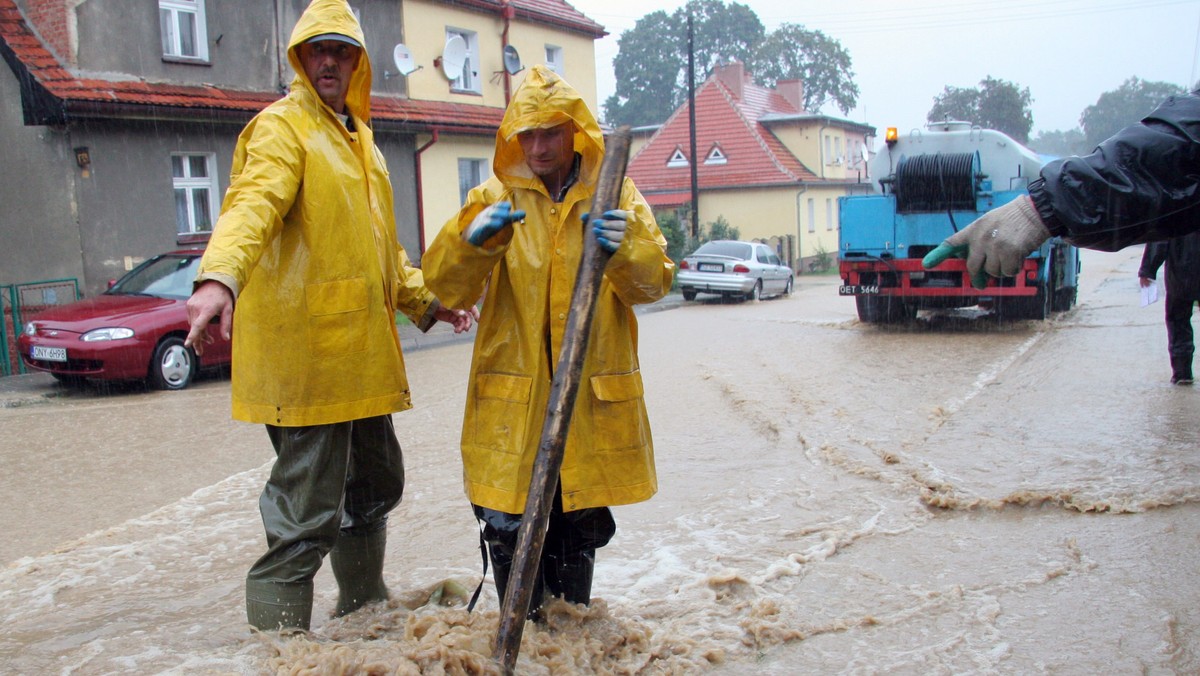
<point>19,302</point>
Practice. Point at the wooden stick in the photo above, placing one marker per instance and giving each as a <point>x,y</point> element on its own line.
<point>532,533</point>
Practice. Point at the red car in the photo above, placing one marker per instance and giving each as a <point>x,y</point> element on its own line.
<point>133,331</point>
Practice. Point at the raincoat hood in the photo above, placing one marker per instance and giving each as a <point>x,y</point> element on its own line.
<point>542,101</point>
<point>333,16</point>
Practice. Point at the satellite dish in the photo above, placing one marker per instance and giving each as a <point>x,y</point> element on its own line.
<point>454,57</point>
<point>512,60</point>
<point>403,59</point>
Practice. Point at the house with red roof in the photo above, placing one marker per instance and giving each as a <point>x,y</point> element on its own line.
<point>119,117</point>
<point>764,164</point>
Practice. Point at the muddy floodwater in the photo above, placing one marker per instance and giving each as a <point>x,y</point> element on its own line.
<point>960,496</point>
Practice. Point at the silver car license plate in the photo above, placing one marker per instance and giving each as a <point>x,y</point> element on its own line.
<point>710,267</point>
<point>44,353</point>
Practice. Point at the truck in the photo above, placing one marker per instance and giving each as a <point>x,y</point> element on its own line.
<point>931,183</point>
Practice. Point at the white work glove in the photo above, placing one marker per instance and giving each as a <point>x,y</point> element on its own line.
<point>490,221</point>
<point>996,244</point>
<point>610,228</point>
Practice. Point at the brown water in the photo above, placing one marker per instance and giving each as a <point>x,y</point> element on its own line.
<point>960,496</point>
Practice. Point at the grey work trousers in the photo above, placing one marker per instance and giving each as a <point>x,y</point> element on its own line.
<point>327,480</point>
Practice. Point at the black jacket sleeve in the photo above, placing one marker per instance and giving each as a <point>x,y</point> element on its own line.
<point>1141,185</point>
<point>1152,260</point>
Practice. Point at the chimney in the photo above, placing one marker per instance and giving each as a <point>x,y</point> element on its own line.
<point>733,76</point>
<point>54,24</point>
<point>793,91</point>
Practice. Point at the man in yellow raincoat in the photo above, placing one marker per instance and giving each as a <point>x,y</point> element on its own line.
<point>306,244</point>
<point>547,160</point>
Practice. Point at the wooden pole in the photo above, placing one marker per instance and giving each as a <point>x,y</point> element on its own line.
<point>532,533</point>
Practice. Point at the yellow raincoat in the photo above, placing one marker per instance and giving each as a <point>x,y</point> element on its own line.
<point>307,242</point>
<point>526,276</point>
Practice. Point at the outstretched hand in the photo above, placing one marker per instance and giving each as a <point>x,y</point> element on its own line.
<point>996,244</point>
<point>490,221</point>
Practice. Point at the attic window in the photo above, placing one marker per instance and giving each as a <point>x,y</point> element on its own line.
<point>715,156</point>
<point>678,159</point>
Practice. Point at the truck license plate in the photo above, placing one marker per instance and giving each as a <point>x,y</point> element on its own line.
<point>49,353</point>
<point>858,290</point>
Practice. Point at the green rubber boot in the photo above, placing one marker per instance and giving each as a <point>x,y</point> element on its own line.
<point>357,563</point>
<point>279,606</point>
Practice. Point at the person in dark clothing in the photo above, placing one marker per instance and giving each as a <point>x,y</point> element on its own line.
<point>1140,185</point>
<point>1182,256</point>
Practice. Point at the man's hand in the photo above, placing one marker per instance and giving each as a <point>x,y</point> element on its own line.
<point>490,221</point>
<point>461,320</point>
<point>610,228</point>
<point>996,244</point>
<point>210,300</point>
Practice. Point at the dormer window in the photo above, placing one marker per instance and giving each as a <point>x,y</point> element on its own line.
<point>678,159</point>
<point>715,156</point>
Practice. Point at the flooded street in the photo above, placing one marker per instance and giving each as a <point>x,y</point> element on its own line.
<point>958,496</point>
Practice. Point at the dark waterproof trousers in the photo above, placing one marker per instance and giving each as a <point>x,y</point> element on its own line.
<point>1180,342</point>
<point>328,480</point>
<point>568,555</point>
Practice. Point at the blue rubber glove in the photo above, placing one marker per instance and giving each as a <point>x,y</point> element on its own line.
<point>996,244</point>
<point>610,228</point>
<point>490,221</point>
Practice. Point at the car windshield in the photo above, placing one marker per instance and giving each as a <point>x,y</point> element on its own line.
<point>161,276</point>
<point>739,250</point>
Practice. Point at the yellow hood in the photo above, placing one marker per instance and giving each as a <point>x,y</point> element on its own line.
<point>545,100</point>
<point>333,16</point>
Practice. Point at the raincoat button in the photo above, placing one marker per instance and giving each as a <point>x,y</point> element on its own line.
<point>553,210</point>
<point>562,315</point>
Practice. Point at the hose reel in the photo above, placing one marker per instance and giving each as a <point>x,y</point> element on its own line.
<point>938,182</point>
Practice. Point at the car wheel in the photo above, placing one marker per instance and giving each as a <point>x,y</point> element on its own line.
<point>755,294</point>
<point>787,290</point>
<point>688,294</point>
<point>173,365</point>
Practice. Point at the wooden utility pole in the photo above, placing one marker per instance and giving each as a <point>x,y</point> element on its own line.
<point>532,533</point>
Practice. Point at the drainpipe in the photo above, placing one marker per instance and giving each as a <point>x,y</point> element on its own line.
<point>507,12</point>
<point>421,192</point>
<point>800,228</point>
<point>821,147</point>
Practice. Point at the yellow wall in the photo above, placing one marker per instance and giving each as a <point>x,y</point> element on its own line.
<point>772,212</point>
<point>439,175</point>
<point>425,26</point>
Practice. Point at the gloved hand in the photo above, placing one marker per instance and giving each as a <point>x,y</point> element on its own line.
<point>610,228</point>
<point>490,221</point>
<point>996,244</point>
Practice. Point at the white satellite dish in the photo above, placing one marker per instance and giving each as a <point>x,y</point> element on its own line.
<point>403,58</point>
<point>512,60</point>
<point>454,56</point>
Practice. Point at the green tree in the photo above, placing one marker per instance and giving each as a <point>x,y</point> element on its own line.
<point>1061,143</point>
<point>719,229</point>
<point>672,230</point>
<point>792,52</point>
<point>651,62</point>
<point>996,104</point>
<point>1130,102</point>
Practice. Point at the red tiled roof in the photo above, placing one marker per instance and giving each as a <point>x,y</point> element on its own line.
<point>555,12</point>
<point>54,93</point>
<point>753,155</point>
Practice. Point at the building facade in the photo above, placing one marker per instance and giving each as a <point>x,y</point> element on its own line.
<point>119,117</point>
<point>765,165</point>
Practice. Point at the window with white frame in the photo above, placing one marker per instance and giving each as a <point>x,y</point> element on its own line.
<point>715,156</point>
<point>468,79</point>
<point>471,172</point>
<point>184,35</point>
<point>554,58</point>
<point>194,179</point>
<point>677,159</point>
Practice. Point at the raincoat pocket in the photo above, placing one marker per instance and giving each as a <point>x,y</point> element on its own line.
<point>616,412</point>
<point>337,317</point>
<point>501,411</point>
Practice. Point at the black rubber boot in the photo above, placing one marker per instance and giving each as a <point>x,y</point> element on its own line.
<point>279,606</point>
<point>502,558</point>
<point>570,575</point>
<point>1181,370</point>
<point>357,563</point>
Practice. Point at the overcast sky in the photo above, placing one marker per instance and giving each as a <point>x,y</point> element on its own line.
<point>905,52</point>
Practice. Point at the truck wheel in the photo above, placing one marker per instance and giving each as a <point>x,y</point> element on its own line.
<point>688,294</point>
<point>883,310</point>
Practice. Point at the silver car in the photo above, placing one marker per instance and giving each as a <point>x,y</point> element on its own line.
<point>749,270</point>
